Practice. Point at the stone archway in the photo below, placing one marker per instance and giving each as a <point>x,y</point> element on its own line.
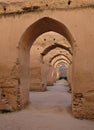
<point>41,26</point>
<point>48,49</point>
<point>60,62</point>
<point>61,59</point>
<point>56,45</point>
<point>57,56</point>
<point>62,67</point>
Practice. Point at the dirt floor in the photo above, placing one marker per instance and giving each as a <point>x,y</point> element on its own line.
<point>49,110</point>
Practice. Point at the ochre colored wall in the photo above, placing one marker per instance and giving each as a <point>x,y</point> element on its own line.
<point>80,23</point>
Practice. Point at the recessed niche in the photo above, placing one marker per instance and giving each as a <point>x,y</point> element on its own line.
<point>44,39</point>
<point>69,2</point>
<point>4,8</point>
<point>46,5</point>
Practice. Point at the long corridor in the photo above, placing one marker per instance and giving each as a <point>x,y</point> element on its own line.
<point>49,110</point>
<point>55,99</point>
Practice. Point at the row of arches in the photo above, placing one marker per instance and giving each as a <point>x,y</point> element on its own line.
<point>41,26</point>
<point>16,74</point>
<point>46,66</point>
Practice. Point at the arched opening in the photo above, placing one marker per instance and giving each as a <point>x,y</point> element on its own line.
<point>62,66</point>
<point>52,47</point>
<point>41,26</point>
<point>59,55</point>
<point>51,56</point>
<point>60,62</point>
<point>61,59</point>
<point>65,70</point>
<point>55,46</point>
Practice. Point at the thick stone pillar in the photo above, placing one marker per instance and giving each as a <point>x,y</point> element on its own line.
<point>55,75</point>
<point>50,76</point>
<point>10,94</point>
<point>69,75</point>
<point>83,81</point>
<point>38,75</point>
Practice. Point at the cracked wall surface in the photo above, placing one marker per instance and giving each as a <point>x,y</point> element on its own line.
<point>10,6</point>
<point>14,87</point>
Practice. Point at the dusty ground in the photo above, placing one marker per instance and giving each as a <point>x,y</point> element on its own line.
<point>50,110</point>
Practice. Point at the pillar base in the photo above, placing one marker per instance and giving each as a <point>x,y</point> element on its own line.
<point>38,87</point>
<point>82,108</point>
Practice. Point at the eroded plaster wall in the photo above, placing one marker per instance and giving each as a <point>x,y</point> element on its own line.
<point>80,22</point>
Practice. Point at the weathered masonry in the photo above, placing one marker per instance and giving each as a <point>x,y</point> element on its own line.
<point>30,59</point>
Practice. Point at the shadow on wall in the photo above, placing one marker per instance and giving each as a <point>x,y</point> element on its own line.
<point>41,26</point>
